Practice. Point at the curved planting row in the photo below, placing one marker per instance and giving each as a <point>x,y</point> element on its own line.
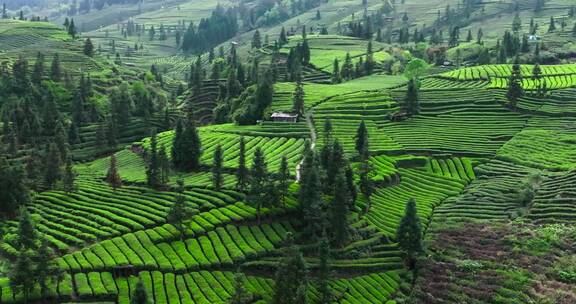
<point>95,211</point>
<point>456,122</point>
<point>456,167</point>
<point>492,195</point>
<point>486,72</point>
<point>554,201</point>
<point>429,190</point>
<point>222,247</point>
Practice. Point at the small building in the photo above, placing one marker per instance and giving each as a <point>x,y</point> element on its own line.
<point>284,117</point>
<point>533,38</point>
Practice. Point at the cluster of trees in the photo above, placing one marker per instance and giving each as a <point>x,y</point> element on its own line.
<point>219,27</point>
<point>33,263</point>
<point>349,70</point>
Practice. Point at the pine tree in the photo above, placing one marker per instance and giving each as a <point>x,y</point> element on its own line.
<point>339,211</point>
<point>298,99</point>
<point>88,48</point>
<point>361,140</point>
<point>179,212</point>
<point>324,272</point>
<point>69,176</point>
<point>258,181</point>
<point>516,23</point>
<point>309,196</point>
<point>112,176</point>
<point>139,295</point>
<point>27,236</point>
<point>283,39</point>
<point>479,37</point>
<point>72,29</point>
<point>256,40</point>
<point>52,170</point>
<point>515,89</point>
<point>242,173</point>
<point>409,234</point>
<point>38,72</point>
<point>336,72</point>
<point>186,149</point>
<point>283,179</point>
<point>48,273</point>
<point>291,277</point>
<point>411,100</point>
<point>13,190</point>
<point>153,166</point>
<point>19,276</point>
<point>217,177</point>
<point>55,71</point>
<point>164,165</point>
<point>552,26</point>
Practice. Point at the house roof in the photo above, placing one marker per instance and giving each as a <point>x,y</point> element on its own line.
<point>283,115</point>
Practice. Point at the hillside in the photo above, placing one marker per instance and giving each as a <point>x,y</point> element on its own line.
<point>289,152</point>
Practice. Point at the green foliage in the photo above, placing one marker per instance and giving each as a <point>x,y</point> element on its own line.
<point>409,233</point>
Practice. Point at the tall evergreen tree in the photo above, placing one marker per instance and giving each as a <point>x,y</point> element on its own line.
<point>179,212</point>
<point>256,40</point>
<point>69,176</point>
<point>113,177</point>
<point>291,277</point>
<point>52,170</point>
<point>298,99</point>
<point>164,165</point>
<point>19,275</point>
<point>153,165</point>
<point>339,211</point>
<point>13,190</point>
<point>88,48</point>
<point>186,149</point>
<point>411,100</point>
<point>55,71</point>
<point>324,272</point>
<point>48,273</point>
<point>515,89</point>
<point>242,173</point>
<point>27,236</point>
<point>283,179</point>
<point>309,195</point>
<point>258,181</point>
<point>72,29</point>
<point>409,234</point>
<point>217,177</point>
<point>38,72</point>
<point>361,140</point>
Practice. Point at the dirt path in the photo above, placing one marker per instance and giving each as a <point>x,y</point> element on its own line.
<point>312,129</point>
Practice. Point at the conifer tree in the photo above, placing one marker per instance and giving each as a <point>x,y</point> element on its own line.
<point>164,165</point>
<point>291,277</point>
<point>361,140</point>
<point>217,177</point>
<point>256,40</point>
<point>339,211</point>
<point>552,25</point>
<point>72,29</point>
<point>139,295</point>
<point>258,181</point>
<point>19,276</point>
<point>153,167</point>
<point>186,149</point>
<point>283,39</point>
<point>324,272</point>
<point>27,236</point>
<point>242,173</point>
<point>283,179</point>
<point>298,99</point>
<point>309,196</point>
<point>516,23</point>
<point>48,273</point>
<point>88,48</point>
<point>13,190</point>
<point>411,101</point>
<point>55,71</point>
<point>336,72</point>
<point>113,177</point>
<point>515,89</point>
<point>409,234</point>
<point>69,176</point>
<point>179,212</point>
<point>38,72</point>
<point>52,170</point>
